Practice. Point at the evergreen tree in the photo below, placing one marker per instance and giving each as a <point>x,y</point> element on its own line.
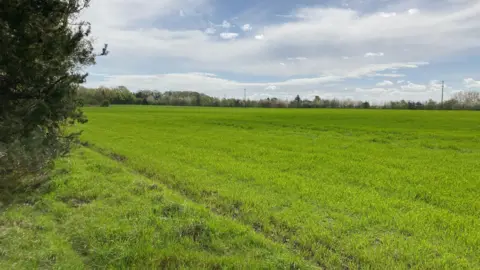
<point>42,50</point>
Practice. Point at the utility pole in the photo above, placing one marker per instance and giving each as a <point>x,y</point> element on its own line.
<point>443,86</point>
<point>245,97</point>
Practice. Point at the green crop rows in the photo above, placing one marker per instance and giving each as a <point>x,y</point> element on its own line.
<point>320,188</point>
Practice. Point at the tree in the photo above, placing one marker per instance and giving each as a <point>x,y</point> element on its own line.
<point>298,100</point>
<point>317,101</point>
<point>366,105</point>
<point>467,99</point>
<point>198,99</point>
<point>105,103</point>
<point>431,104</point>
<point>42,50</point>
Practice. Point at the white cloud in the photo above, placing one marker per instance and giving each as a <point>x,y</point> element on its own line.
<point>471,83</point>
<point>345,57</point>
<point>226,24</point>
<point>385,83</point>
<point>324,35</point>
<point>210,83</point>
<point>371,54</point>
<point>306,87</point>
<point>181,13</point>
<point>400,81</point>
<point>436,86</point>
<point>411,91</point>
<point>387,14</point>
<point>282,64</point>
<point>203,74</point>
<point>353,29</point>
<point>228,35</point>
<point>123,13</point>
<point>376,90</point>
<point>411,87</point>
<point>413,11</point>
<point>297,58</point>
<point>210,31</point>
<point>390,75</point>
<point>246,27</point>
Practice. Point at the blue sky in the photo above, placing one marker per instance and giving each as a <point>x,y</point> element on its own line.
<point>374,50</point>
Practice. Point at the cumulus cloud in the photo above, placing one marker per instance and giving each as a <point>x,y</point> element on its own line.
<point>387,14</point>
<point>323,34</point>
<point>410,91</point>
<point>412,87</point>
<point>205,74</point>
<point>324,86</point>
<point>246,27</point>
<point>471,83</point>
<point>413,11</point>
<point>385,83</point>
<point>228,35</point>
<point>352,32</point>
<point>212,85</point>
<point>210,82</point>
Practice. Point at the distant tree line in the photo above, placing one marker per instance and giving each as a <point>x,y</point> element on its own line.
<point>121,95</point>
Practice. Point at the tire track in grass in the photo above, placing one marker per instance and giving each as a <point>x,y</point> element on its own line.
<point>127,221</point>
<point>121,159</point>
<point>222,206</point>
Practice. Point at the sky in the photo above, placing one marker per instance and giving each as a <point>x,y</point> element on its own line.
<point>372,50</point>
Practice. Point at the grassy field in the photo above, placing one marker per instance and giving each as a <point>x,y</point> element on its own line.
<point>266,187</point>
<point>96,213</point>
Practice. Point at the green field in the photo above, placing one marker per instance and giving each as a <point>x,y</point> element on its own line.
<point>265,188</point>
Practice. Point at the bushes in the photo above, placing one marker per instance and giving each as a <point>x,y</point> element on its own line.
<point>105,103</point>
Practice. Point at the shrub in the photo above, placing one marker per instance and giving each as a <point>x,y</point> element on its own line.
<point>105,103</point>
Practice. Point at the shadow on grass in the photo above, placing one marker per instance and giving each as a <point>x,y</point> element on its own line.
<point>29,190</point>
